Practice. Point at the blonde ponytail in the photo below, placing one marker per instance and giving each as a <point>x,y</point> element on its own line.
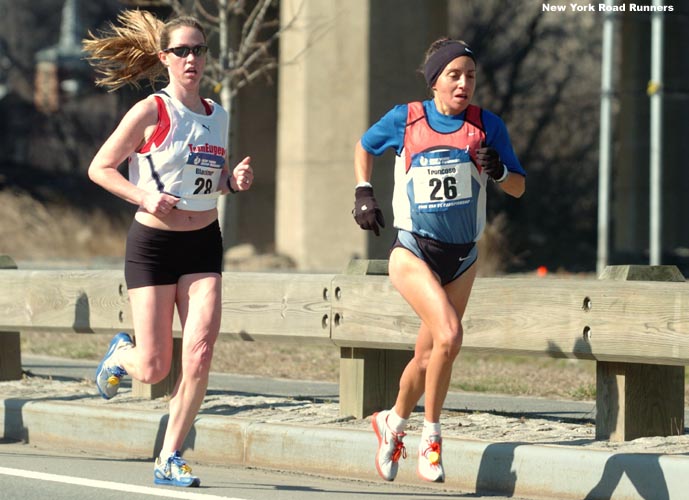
<point>128,53</point>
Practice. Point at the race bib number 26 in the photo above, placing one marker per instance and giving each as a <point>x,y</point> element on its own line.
<point>441,179</point>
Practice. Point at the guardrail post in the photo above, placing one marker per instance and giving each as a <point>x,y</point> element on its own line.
<point>633,399</point>
<point>165,386</point>
<point>369,378</point>
<point>10,347</point>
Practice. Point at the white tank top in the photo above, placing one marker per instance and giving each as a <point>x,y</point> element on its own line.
<point>185,155</point>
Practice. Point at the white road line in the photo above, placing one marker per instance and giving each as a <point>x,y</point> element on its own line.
<point>109,485</point>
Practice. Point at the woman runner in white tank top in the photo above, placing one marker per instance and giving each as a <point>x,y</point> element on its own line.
<point>176,144</point>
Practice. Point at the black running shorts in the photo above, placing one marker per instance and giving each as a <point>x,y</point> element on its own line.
<point>160,257</point>
<point>447,260</point>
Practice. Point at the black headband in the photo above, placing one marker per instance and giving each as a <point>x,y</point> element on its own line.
<point>442,57</point>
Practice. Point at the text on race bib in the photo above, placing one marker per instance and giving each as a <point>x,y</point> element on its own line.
<point>201,174</point>
<point>441,179</point>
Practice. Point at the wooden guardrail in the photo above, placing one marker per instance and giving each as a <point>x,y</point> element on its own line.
<point>256,307</point>
<point>633,322</point>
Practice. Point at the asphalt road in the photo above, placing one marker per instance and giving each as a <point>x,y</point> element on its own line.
<point>514,467</point>
<point>30,473</point>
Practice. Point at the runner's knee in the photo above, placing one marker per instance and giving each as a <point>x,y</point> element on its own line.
<point>197,359</point>
<point>152,373</point>
<point>449,342</point>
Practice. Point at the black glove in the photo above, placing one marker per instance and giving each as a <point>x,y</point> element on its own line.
<point>366,211</point>
<point>489,159</point>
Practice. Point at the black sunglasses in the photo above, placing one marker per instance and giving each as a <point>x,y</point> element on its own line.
<point>184,51</point>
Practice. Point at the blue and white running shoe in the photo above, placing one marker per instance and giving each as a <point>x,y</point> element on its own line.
<point>174,472</point>
<point>108,373</point>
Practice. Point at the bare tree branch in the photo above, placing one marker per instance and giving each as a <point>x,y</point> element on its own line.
<point>207,15</point>
<point>250,77</point>
<point>519,57</point>
<point>251,28</point>
<point>249,57</point>
<point>174,4</point>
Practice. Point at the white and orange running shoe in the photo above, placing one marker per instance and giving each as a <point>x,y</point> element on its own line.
<point>430,466</point>
<point>390,446</point>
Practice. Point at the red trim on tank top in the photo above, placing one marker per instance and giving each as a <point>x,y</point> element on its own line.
<point>473,116</point>
<point>162,129</point>
<point>427,136</point>
<point>208,107</point>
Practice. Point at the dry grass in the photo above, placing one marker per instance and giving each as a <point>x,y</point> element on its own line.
<point>509,375</point>
<point>512,375</point>
<point>33,230</point>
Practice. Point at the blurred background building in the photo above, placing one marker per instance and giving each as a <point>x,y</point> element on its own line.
<point>61,71</point>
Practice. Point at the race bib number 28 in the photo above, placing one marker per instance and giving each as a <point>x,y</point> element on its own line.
<point>441,179</point>
<point>201,174</point>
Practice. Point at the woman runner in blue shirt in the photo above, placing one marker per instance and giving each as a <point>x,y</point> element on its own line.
<point>447,150</point>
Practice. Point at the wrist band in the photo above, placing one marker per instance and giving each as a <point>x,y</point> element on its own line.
<point>229,185</point>
<point>505,175</point>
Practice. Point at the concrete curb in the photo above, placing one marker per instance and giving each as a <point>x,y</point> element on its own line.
<point>510,469</point>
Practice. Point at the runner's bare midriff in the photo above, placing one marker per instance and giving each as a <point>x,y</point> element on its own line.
<point>178,220</point>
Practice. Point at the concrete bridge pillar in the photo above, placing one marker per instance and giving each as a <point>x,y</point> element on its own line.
<point>342,65</point>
